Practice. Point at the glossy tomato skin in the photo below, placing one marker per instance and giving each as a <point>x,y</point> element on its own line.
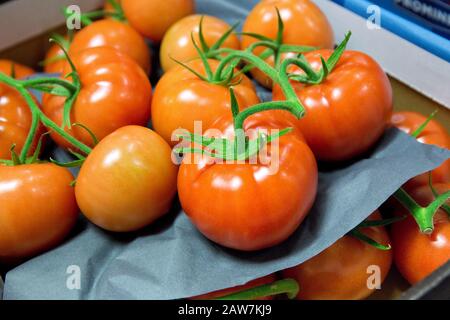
<point>177,43</point>
<point>112,33</point>
<point>29,222</point>
<point>434,134</point>
<point>416,254</point>
<point>127,181</point>
<point>304,24</point>
<point>251,284</point>
<point>152,18</point>
<point>15,115</point>
<point>115,92</point>
<point>180,98</point>
<point>348,112</point>
<point>341,272</point>
<point>250,206</point>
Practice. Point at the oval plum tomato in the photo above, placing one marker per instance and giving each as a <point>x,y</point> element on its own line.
<point>115,92</point>
<point>434,134</point>
<point>250,205</point>
<point>304,24</point>
<point>128,180</point>
<point>112,33</point>
<point>177,43</point>
<point>251,284</point>
<point>152,18</point>
<point>349,111</point>
<point>340,272</point>
<point>417,255</point>
<point>15,115</point>
<point>180,98</point>
<point>38,209</point>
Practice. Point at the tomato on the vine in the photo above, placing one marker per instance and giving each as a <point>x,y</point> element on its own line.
<point>127,181</point>
<point>348,111</point>
<point>177,43</point>
<point>341,271</point>
<point>304,24</point>
<point>434,134</point>
<point>38,209</point>
<point>112,33</point>
<point>15,115</point>
<point>181,98</point>
<point>152,18</point>
<point>251,284</point>
<point>416,254</point>
<point>250,205</point>
<point>115,92</point>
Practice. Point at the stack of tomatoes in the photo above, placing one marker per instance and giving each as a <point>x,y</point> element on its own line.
<point>129,175</point>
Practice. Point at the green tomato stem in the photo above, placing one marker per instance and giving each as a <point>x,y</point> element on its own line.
<point>286,286</point>
<point>38,115</point>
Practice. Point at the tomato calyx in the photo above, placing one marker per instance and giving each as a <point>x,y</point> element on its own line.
<point>65,43</point>
<point>289,287</point>
<point>445,206</point>
<point>356,233</point>
<point>316,77</point>
<point>16,160</point>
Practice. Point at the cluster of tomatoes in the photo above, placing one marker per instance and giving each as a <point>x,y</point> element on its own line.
<point>337,104</point>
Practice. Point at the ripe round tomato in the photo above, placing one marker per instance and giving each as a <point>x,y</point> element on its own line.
<point>152,18</point>
<point>38,209</point>
<point>112,33</point>
<point>304,24</point>
<point>251,284</point>
<point>416,254</point>
<point>341,271</point>
<point>177,43</point>
<point>348,111</point>
<point>115,92</point>
<point>250,205</point>
<point>57,65</point>
<point>15,115</point>
<point>180,98</point>
<point>434,134</point>
<point>127,181</point>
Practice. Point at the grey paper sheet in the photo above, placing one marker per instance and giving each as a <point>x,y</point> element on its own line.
<point>171,260</point>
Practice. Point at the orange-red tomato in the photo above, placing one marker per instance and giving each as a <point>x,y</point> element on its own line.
<point>341,271</point>
<point>112,33</point>
<point>434,134</point>
<point>180,98</point>
<point>115,92</point>
<point>177,43</point>
<point>417,255</point>
<point>127,181</point>
<point>152,18</point>
<point>38,209</point>
<point>250,205</point>
<point>349,111</point>
<point>249,285</point>
<point>55,66</point>
<point>304,24</point>
<point>15,115</point>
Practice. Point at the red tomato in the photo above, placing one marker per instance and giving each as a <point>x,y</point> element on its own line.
<point>348,111</point>
<point>112,33</point>
<point>251,284</point>
<point>177,43</point>
<point>115,92</point>
<point>434,134</point>
<point>416,254</point>
<point>304,24</point>
<point>29,222</point>
<point>341,271</point>
<point>127,181</point>
<point>152,18</point>
<point>250,206</point>
<point>15,115</point>
<point>180,98</point>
